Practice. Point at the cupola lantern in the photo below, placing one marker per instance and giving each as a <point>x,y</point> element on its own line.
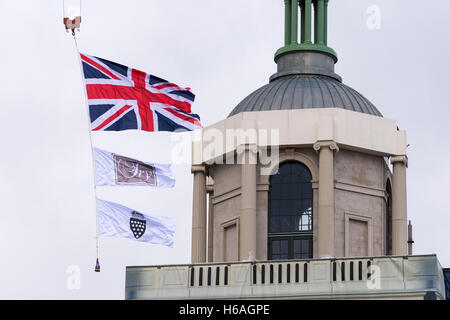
<point>306,7</point>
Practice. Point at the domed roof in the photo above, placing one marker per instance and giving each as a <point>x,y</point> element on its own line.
<point>305,91</point>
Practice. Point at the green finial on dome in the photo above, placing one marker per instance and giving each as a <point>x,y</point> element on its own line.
<point>291,44</point>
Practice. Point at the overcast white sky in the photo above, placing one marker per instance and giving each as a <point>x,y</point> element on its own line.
<point>223,50</point>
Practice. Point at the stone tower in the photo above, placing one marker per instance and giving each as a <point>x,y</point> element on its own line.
<point>301,167</point>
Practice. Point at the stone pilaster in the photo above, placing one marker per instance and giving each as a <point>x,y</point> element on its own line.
<point>198,254</point>
<point>399,208</point>
<point>210,191</point>
<point>326,198</point>
<point>247,232</point>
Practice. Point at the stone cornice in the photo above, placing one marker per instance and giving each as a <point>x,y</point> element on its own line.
<point>352,187</point>
<point>298,129</point>
<point>260,187</point>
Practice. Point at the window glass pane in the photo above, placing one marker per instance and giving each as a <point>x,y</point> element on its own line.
<point>306,175</point>
<point>285,191</point>
<point>284,207</point>
<point>275,191</point>
<point>275,247</point>
<point>289,198</point>
<point>286,224</point>
<point>276,178</point>
<point>280,249</point>
<point>306,190</point>
<point>285,246</point>
<point>296,190</point>
<point>290,212</point>
<point>297,206</point>
<point>305,223</point>
<point>305,246</point>
<point>290,207</point>
<point>301,248</point>
<point>308,202</point>
<point>300,223</point>
<point>297,246</point>
<point>275,207</point>
<point>275,224</point>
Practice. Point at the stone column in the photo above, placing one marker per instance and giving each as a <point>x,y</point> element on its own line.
<point>294,22</point>
<point>399,215</point>
<point>319,22</point>
<point>199,215</point>
<point>247,223</point>
<point>287,22</point>
<point>210,190</point>
<point>326,198</point>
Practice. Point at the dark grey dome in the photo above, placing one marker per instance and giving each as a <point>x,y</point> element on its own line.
<point>305,92</point>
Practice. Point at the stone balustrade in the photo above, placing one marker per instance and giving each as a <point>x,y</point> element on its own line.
<point>411,277</point>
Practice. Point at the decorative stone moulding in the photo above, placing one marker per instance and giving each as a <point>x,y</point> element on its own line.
<point>330,144</point>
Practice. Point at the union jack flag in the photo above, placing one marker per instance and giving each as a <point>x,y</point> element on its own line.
<point>123,98</point>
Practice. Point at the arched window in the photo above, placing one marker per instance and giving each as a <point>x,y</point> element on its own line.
<point>290,213</point>
<point>388,219</point>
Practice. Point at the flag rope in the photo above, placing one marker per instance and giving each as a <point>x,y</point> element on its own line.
<point>97,265</point>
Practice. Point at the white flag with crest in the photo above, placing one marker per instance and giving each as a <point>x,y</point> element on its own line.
<point>116,220</point>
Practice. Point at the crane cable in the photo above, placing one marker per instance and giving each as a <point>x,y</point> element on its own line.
<point>77,52</point>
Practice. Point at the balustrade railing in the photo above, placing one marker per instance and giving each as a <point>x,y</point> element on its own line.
<point>292,278</point>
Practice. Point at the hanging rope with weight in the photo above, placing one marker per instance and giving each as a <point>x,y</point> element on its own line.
<point>72,22</point>
<point>72,16</point>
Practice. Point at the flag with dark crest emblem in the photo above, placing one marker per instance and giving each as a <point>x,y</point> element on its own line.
<point>116,220</point>
<point>137,224</point>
